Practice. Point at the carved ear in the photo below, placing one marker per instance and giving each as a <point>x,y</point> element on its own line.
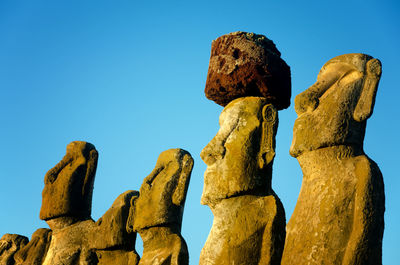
<point>178,198</point>
<point>130,220</point>
<point>90,172</point>
<point>267,143</point>
<point>269,113</point>
<point>365,104</point>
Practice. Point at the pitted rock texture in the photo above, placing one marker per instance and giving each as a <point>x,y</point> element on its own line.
<point>35,251</point>
<point>246,64</point>
<point>339,215</point>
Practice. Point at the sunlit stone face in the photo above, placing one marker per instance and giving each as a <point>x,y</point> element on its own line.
<point>69,185</point>
<point>232,155</point>
<point>326,109</point>
<point>162,194</point>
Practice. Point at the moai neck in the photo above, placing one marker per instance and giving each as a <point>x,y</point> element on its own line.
<point>62,222</point>
<point>162,235</point>
<point>316,160</point>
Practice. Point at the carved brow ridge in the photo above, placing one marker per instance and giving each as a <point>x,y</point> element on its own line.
<point>150,180</point>
<point>230,132</point>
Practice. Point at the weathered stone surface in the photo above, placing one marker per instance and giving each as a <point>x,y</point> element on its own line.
<point>69,245</point>
<point>35,251</point>
<point>246,230</point>
<point>338,217</point>
<point>239,158</point>
<point>117,257</point>
<point>249,219</point>
<point>110,230</point>
<point>163,246</point>
<point>66,207</point>
<point>246,64</point>
<point>69,185</point>
<point>109,237</point>
<point>9,245</point>
<point>157,213</point>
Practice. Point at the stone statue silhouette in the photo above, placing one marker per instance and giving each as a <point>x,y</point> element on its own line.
<point>249,219</point>
<point>156,214</point>
<point>338,218</point>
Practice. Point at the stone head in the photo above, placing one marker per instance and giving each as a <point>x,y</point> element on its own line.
<point>334,110</point>
<point>10,244</point>
<point>162,195</point>
<point>239,158</point>
<point>35,251</point>
<point>110,230</point>
<point>68,186</point>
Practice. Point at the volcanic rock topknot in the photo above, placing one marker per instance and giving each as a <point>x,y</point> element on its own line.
<point>246,64</point>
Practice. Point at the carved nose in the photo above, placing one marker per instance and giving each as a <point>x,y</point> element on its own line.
<point>212,152</point>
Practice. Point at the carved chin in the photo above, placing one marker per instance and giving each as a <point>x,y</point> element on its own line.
<point>209,182</point>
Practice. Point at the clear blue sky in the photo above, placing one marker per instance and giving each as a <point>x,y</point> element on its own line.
<point>129,76</point>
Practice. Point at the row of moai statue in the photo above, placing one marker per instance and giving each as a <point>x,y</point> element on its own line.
<point>338,218</point>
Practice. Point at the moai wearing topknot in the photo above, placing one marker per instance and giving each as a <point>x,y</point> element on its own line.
<point>248,77</point>
<point>156,214</point>
<point>339,214</point>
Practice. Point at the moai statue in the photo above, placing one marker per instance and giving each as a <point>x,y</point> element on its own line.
<point>110,239</point>
<point>157,213</point>
<point>10,244</point>
<point>35,251</point>
<point>67,203</point>
<point>338,218</point>
<point>248,77</point>
<point>249,219</point>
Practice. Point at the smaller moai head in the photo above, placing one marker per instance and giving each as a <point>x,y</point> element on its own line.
<point>239,158</point>
<point>334,110</point>
<point>10,244</point>
<point>246,64</point>
<point>35,251</point>
<point>162,195</point>
<point>68,187</point>
<point>109,232</point>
